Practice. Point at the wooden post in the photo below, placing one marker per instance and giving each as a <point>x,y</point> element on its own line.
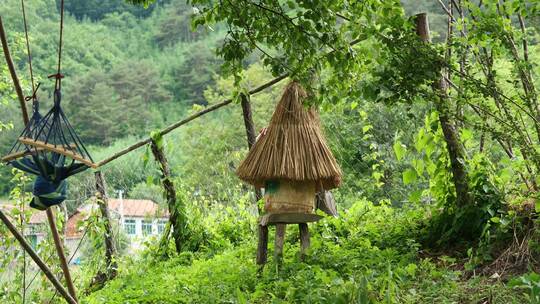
<point>13,73</point>
<point>110,247</point>
<point>262,248</point>
<point>304,239</point>
<point>46,270</point>
<point>250,133</point>
<point>451,135</point>
<point>61,255</point>
<point>50,215</point>
<point>170,194</point>
<point>278,242</point>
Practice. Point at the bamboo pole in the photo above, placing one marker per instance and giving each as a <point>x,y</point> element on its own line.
<point>44,268</point>
<point>13,72</point>
<point>61,255</point>
<point>50,214</point>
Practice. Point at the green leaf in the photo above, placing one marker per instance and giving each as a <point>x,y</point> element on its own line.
<point>409,176</point>
<point>366,128</point>
<point>415,196</point>
<point>419,166</point>
<point>400,150</point>
<point>466,134</point>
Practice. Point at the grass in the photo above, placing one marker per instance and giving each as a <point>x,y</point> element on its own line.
<point>368,255</point>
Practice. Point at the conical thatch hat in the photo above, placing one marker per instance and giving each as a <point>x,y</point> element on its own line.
<point>293,147</point>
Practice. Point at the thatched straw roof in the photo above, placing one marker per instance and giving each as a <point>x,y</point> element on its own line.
<point>293,147</point>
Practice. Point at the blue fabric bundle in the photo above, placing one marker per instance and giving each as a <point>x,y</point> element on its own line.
<point>50,186</point>
<point>47,194</point>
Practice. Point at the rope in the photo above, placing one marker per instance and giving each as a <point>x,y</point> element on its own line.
<point>34,93</point>
<point>58,75</point>
<point>34,88</point>
<point>28,45</point>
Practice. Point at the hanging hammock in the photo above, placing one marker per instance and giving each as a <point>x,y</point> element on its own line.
<point>48,146</point>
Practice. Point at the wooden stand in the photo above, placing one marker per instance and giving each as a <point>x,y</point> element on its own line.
<point>39,262</point>
<point>281,220</point>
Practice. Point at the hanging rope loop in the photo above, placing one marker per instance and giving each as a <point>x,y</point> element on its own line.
<point>33,97</point>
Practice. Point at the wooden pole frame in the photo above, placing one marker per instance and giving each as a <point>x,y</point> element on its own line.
<point>13,72</point>
<point>71,297</point>
<point>44,268</point>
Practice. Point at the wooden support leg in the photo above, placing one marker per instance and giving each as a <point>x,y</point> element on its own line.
<point>61,255</point>
<point>304,239</point>
<point>262,248</point>
<point>46,270</point>
<point>278,244</point>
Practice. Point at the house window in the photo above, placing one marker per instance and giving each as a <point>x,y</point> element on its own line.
<point>146,227</point>
<point>32,235</point>
<point>32,239</point>
<point>129,227</point>
<point>161,226</point>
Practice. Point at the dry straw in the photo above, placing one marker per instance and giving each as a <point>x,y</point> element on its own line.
<point>293,147</point>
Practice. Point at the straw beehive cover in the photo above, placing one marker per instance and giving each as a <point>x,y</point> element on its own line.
<point>293,147</point>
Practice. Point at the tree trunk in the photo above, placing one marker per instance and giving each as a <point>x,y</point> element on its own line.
<point>451,136</point>
<point>42,266</point>
<point>110,247</point>
<point>175,218</point>
<point>250,132</point>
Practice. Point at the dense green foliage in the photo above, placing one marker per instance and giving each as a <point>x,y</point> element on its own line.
<point>402,236</point>
<point>367,255</point>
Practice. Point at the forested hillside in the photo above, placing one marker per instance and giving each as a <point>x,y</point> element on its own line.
<point>438,201</point>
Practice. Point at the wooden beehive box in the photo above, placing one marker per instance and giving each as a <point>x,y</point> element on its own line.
<point>291,159</point>
<point>287,196</point>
